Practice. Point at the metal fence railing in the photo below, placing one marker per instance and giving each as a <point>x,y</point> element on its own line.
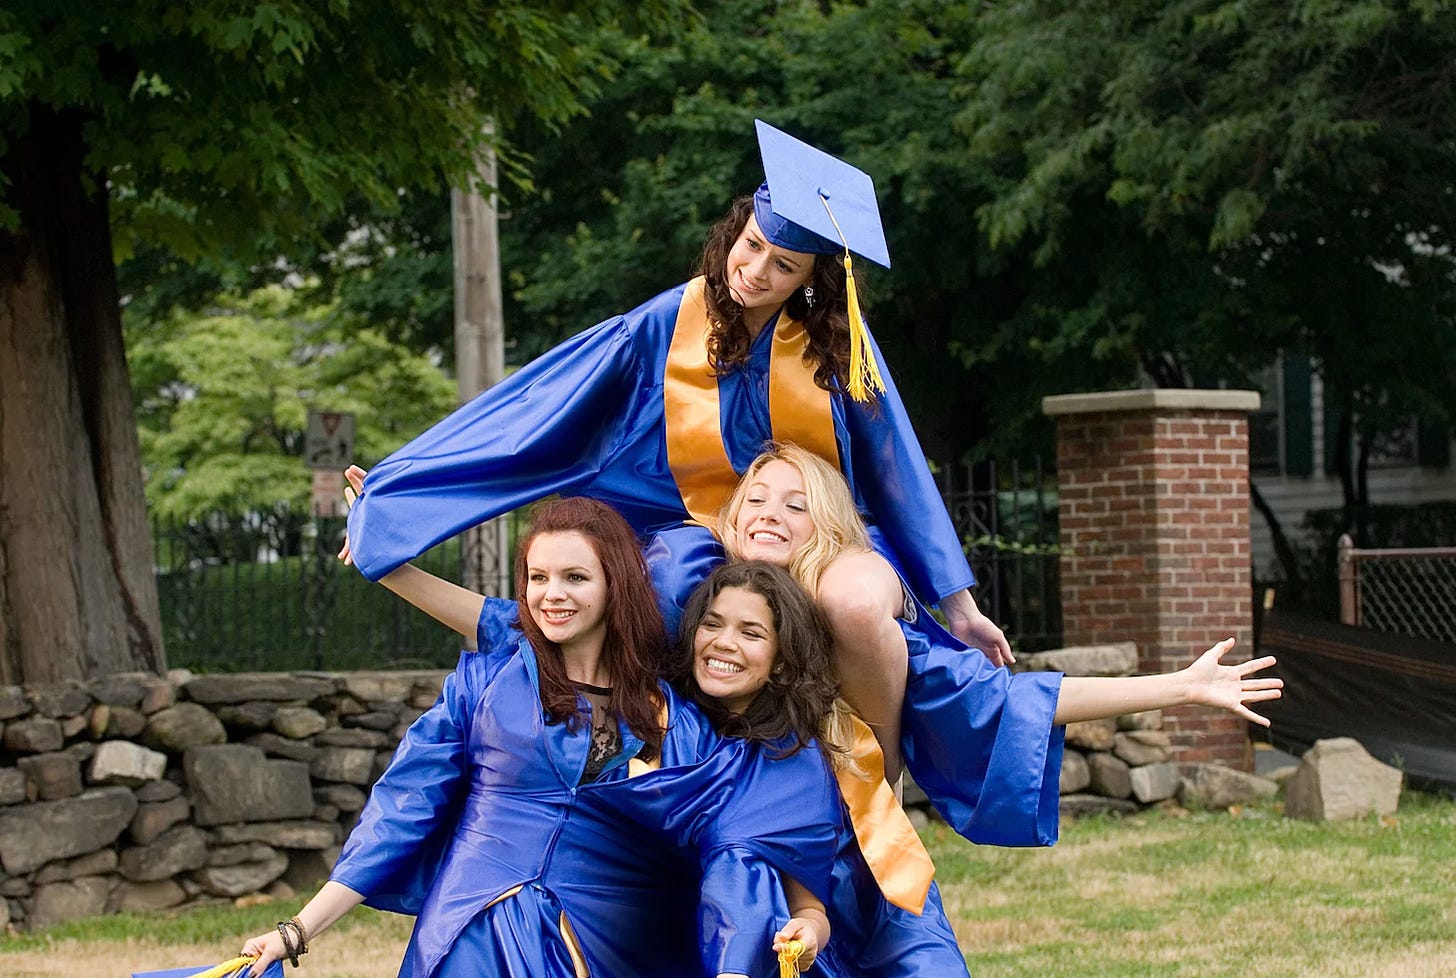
<point>267,591</point>
<point>1007,517</point>
<point>241,594</point>
<point>1408,590</point>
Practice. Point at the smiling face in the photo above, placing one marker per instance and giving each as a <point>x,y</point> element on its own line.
<point>735,647</point>
<point>566,590</point>
<point>774,521</point>
<point>762,276</point>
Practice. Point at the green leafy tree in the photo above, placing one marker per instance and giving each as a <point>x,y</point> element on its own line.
<point>223,399</point>
<point>1195,185</point>
<point>215,129</point>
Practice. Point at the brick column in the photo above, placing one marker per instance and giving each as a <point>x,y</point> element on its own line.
<point>1154,532</point>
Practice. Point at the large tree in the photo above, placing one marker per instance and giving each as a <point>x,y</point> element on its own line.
<point>215,128</point>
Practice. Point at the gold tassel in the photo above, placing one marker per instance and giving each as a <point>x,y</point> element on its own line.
<point>227,967</point>
<point>864,372</point>
<point>789,958</point>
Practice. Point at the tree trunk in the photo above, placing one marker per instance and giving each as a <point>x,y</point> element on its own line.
<point>480,350</point>
<point>77,592</point>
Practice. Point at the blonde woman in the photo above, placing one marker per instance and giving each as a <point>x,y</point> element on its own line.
<point>985,745</point>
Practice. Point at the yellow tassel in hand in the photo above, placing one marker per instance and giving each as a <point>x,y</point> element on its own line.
<point>789,958</point>
<point>227,968</point>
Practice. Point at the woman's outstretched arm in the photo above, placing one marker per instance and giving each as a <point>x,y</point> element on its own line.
<point>1207,682</point>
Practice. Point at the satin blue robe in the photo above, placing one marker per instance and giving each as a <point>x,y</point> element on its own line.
<point>587,418</point>
<point>979,740</point>
<point>665,874</point>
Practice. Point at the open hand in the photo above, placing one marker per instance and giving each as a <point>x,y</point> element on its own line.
<point>967,622</point>
<point>1228,687</point>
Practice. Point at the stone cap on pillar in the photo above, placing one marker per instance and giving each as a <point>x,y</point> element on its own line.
<point>1151,399</point>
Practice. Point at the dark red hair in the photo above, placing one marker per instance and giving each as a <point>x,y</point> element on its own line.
<point>636,638</point>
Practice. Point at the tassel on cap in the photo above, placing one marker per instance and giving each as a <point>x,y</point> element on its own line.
<point>864,381</point>
<point>864,371</point>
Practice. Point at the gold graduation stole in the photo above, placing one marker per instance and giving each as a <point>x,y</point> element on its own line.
<point>892,848</point>
<point>799,410</point>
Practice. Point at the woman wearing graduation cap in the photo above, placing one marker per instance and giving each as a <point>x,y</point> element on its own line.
<point>659,410</point>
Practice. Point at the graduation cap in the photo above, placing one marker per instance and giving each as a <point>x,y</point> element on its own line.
<point>818,204</point>
<point>237,966</point>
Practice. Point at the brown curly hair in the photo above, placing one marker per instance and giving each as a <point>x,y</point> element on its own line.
<point>802,687</point>
<point>827,321</point>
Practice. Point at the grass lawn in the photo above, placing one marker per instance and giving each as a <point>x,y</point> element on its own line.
<point>1205,894</point>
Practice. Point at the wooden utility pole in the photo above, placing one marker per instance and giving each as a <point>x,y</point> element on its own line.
<point>480,348</point>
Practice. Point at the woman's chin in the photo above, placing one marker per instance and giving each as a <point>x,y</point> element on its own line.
<point>778,556</point>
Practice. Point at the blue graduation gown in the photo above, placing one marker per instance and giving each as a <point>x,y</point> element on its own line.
<point>981,743</point>
<point>482,798</point>
<point>587,418</point>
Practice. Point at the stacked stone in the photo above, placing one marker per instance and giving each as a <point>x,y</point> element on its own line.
<point>1128,763</point>
<point>1116,765</point>
<point>137,792</point>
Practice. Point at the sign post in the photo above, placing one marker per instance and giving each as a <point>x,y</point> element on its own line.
<point>328,449</point>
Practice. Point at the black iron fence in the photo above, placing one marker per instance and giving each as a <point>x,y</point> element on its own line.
<point>1007,518</point>
<point>267,591</point>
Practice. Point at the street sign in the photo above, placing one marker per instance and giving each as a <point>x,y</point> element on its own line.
<point>328,442</point>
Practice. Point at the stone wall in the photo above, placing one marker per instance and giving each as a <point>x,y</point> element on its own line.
<point>137,792</point>
<point>1117,765</point>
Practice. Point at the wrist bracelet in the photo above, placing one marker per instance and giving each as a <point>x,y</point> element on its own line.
<point>288,946</point>
<point>302,935</point>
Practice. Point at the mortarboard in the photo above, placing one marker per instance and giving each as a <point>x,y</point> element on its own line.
<point>237,966</point>
<point>815,203</point>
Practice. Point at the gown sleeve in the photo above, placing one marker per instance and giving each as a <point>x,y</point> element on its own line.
<point>895,484</point>
<point>979,740</point>
<point>749,815</point>
<point>548,428</point>
<point>782,817</point>
<point>394,851</point>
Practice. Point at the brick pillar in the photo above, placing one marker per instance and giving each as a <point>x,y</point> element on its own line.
<point>1154,526</point>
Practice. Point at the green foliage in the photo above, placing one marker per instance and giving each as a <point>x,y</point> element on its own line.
<point>223,398</point>
<point>1077,196</point>
<point>1198,183</point>
<point>223,128</point>
<point>302,610</point>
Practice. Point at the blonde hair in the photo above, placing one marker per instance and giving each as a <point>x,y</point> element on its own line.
<point>838,526</point>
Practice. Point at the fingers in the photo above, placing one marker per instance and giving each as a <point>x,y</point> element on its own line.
<point>1253,717</point>
<point>1256,665</point>
<point>1003,651</point>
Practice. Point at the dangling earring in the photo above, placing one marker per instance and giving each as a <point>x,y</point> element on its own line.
<point>809,296</point>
